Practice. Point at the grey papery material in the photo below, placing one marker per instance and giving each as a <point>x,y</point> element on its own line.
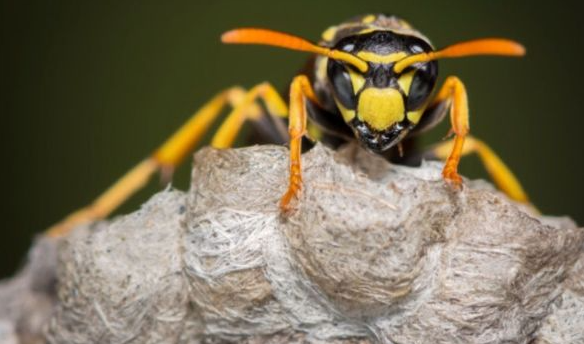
<point>374,253</point>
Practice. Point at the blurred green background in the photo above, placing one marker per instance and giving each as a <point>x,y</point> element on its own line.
<point>90,88</point>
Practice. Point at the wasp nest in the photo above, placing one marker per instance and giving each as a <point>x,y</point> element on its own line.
<point>373,253</point>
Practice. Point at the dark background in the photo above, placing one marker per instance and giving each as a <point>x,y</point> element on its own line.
<point>90,89</point>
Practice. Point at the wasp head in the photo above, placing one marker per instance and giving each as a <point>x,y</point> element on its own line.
<point>380,105</point>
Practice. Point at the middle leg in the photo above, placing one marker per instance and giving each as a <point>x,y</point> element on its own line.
<point>231,126</point>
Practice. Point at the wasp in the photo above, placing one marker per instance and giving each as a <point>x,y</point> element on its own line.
<point>371,79</point>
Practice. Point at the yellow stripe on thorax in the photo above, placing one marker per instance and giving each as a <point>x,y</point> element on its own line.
<point>369,19</point>
<point>321,64</point>
<point>329,34</point>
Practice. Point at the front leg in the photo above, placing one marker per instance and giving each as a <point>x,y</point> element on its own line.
<point>300,89</point>
<point>454,92</point>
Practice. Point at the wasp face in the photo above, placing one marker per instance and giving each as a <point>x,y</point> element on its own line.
<point>382,106</point>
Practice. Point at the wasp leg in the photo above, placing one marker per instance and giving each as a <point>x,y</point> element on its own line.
<point>229,129</point>
<point>166,158</point>
<point>454,92</point>
<point>499,172</point>
<point>103,205</point>
<point>300,89</point>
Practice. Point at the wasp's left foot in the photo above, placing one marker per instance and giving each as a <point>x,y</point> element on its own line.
<point>290,199</point>
<point>288,202</point>
<point>453,178</point>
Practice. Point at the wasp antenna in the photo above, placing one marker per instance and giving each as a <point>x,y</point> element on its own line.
<point>486,46</point>
<point>287,41</point>
<point>269,37</point>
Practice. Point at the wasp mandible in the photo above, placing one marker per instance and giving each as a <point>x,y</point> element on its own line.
<point>369,79</point>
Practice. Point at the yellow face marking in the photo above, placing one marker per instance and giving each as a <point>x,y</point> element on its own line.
<point>405,81</point>
<point>369,19</point>
<point>375,58</point>
<point>414,116</point>
<point>329,33</point>
<point>357,80</point>
<point>381,107</point>
<point>347,114</point>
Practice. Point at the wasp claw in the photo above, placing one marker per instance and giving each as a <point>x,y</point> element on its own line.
<point>453,178</point>
<point>166,174</point>
<point>289,201</point>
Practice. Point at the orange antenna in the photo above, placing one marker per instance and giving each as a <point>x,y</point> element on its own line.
<point>284,40</point>
<point>487,46</point>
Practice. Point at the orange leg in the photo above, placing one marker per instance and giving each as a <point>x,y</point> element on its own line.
<point>174,150</point>
<point>109,200</point>
<point>454,91</point>
<point>499,172</point>
<point>245,110</point>
<point>300,89</point>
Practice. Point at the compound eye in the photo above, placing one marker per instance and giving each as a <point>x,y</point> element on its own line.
<point>342,86</point>
<point>422,85</point>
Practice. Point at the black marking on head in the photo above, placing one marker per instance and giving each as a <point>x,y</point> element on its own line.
<point>381,76</point>
<point>422,85</point>
<point>383,43</point>
<point>380,141</point>
<point>341,81</point>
